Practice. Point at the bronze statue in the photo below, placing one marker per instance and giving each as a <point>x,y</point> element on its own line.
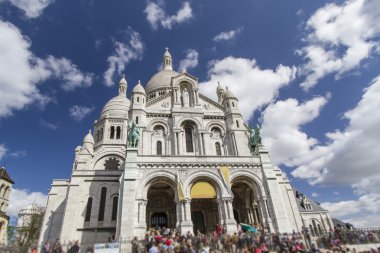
<point>133,135</point>
<point>254,139</point>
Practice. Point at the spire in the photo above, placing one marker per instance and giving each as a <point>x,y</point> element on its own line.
<point>167,60</point>
<point>123,86</point>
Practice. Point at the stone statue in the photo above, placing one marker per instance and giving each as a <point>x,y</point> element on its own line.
<point>133,135</point>
<point>185,98</point>
<point>254,139</point>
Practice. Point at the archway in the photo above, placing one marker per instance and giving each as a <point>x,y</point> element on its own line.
<point>161,208</point>
<point>204,207</point>
<point>246,204</point>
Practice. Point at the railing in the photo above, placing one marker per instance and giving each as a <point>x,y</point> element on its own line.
<point>340,237</point>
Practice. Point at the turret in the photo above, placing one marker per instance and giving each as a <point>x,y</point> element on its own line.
<point>123,86</point>
<point>220,93</point>
<point>167,60</point>
<point>88,143</point>
<point>137,112</point>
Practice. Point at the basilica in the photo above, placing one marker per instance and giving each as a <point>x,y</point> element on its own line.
<point>190,167</point>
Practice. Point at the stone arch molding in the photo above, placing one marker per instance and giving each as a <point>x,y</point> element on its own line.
<point>98,164</point>
<point>183,78</point>
<point>253,180</point>
<point>195,120</point>
<point>166,176</point>
<point>215,178</point>
<point>213,123</point>
<point>155,122</point>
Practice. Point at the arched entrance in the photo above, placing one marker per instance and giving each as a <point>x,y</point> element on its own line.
<point>246,204</point>
<point>204,207</point>
<point>161,208</point>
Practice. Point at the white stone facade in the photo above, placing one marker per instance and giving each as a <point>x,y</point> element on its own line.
<point>185,139</point>
<point>6,183</point>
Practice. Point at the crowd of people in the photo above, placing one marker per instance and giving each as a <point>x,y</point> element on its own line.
<point>339,236</point>
<point>166,240</point>
<point>169,241</point>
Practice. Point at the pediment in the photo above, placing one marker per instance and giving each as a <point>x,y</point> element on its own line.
<point>209,105</point>
<point>161,103</point>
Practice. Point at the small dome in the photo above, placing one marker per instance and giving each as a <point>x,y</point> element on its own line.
<point>116,107</point>
<point>167,53</point>
<point>138,88</point>
<point>229,94</point>
<point>161,80</point>
<point>122,80</point>
<point>219,88</point>
<point>88,138</point>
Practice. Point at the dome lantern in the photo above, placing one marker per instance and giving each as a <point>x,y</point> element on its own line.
<point>167,60</point>
<point>123,86</point>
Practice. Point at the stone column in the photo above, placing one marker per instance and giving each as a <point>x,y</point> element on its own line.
<point>230,223</point>
<point>265,214</point>
<point>175,136</point>
<point>231,209</point>
<point>186,224</point>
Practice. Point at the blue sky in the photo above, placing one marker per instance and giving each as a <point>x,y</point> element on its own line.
<point>307,71</point>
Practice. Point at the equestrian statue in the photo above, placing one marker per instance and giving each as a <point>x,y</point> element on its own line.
<point>133,135</point>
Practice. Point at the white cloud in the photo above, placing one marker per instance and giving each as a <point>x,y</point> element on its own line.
<point>315,194</point>
<point>242,75</point>
<point>48,125</point>
<point>363,212</point>
<point>281,129</point>
<point>31,8</point>
<point>229,35</point>
<point>19,153</point>
<point>3,151</point>
<point>80,112</point>
<point>68,72</point>
<point>349,157</point>
<point>21,72</point>
<point>124,53</point>
<point>340,38</point>
<point>156,15</point>
<point>21,198</point>
<point>190,61</point>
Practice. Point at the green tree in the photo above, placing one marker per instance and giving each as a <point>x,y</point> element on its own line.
<point>27,236</point>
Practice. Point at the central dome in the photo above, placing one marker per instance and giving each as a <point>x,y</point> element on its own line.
<point>161,80</point>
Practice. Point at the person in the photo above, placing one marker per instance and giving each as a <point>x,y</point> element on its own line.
<point>57,247</point>
<point>46,247</point>
<point>135,245</point>
<point>74,248</point>
<point>34,250</point>
<point>154,248</point>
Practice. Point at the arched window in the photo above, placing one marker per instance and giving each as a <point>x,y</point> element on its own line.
<point>118,132</point>
<point>143,100</point>
<point>189,139</point>
<point>112,132</point>
<point>88,209</point>
<point>237,124</point>
<point>101,134</point>
<point>137,120</point>
<point>138,99</point>
<point>315,228</point>
<point>102,205</point>
<point>233,104</point>
<point>319,229</point>
<point>114,207</point>
<point>5,192</point>
<point>159,148</point>
<point>98,135</point>
<point>217,148</point>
